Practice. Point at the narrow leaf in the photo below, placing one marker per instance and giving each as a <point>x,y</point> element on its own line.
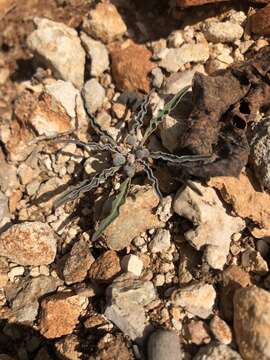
<point>119,200</point>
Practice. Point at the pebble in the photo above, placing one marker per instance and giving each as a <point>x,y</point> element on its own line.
<point>8,177</point>
<point>4,211</point>
<point>60,48</point>
<point>132,263</point>
<point>159,280</point>
<point>14,272</point>
<point>163,343</point>
<point>197,332</point>
<point>158,77</point>
<point>97,53</point>
<point>223,32</point>
<point>198,299</point>
<point>105,268</point>
<point>60,314</point>
<point>110,29</point>
<point>176,39</point>
<point>161,241</point>
<point>221,330</point>
<point>176,58</point>
<point>26,174</point>
<point>29,243</point>
<point>254,262</point>
<point>94,95</point>
<point>217,352</point>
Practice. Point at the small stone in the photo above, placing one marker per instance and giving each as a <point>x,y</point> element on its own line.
<point>60,314</point>
<point>29,243</point>
<point>132,263</point>
<point>4,211</point>
<point>106,31</point>
<point>97,53</point>
<point>223,32</point>
<point>162,343</point>
<point>60,48</point>
<point>252,322</point>
<point>254,262</point>
<point>260,21</point>
<point>197,332</point>
<point>68,348</point>
<point>35,272</point>
<point>8,177</point>
<point>170,129</point>
<point>4,75</point>
<point>221,330</point>
<point>198,299</point>
<point>187,53</point>
<point>161,241</point>
<point>131,66</point>
<point>176,39</point>
<point>4,269</point>
<point>263,248</point>
<point>157,77</point>
<point>159,280</point>
<point>78,263</point>
<point>94,95</point>
<point>217,352</point>
<point>25,173</point>
<point>105,268</point>
<point>14,272</point>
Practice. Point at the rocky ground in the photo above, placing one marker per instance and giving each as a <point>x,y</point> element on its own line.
<point>182,278</point>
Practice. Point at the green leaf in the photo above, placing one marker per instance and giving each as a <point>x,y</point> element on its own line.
<point>155,121</point>
<point>119,200</point>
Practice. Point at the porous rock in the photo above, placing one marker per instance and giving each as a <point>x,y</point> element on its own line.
<point>222,32</point>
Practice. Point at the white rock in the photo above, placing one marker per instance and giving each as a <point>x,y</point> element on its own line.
<point>224,32</point>
<point>198,299</point>
<point>16,271</point>
<point>237,17</point>
<point>60,48</point>
<point>94,95</point>
<point>175,58</point>
<point>161,241</point>
<point>176,39</point>
<point>213,225</point>
<point>165,210</point>
<point>65,93</point>
<point>157,77</point>
<point>98,54</point>
<point>132,263</point>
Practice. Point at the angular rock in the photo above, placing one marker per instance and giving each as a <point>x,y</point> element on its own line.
<point>252,322</point>
<point>161,241</point>
<point>164,343</point>
<point>135,216</point>
<point>97,53</point>
<point>60,314</point>
<point>157,77</point>
<point>4,269</point>
<point>94,95</point>
<point>113,347</point>
<point>223,32</point>
<point>8,177</point>
<point>78,263</point>
<point>29,243</point>
<point>105,268</point>
<point>214,226</point>
<point>252,261</point>
<point>60,48</point>
<point>187,53</point>
<point>246,201</point>
<point>132,263</point>
<point>68,348</point>
<point>217,352</point>
<point>4,211</point>
<point>221,330</point>
<point>198,299</point>
<point>197,332</point>
<point>260,21</point>
<point>131,66</point>
<point>105,23</point>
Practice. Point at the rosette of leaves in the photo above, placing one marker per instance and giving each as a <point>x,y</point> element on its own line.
<point>127,156</point>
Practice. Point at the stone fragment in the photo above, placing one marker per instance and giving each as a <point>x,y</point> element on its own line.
<point>94,95</point>
<point>176,39</point>
<point>217,352</point>
<point>8,177</point>
<point>175,58</point>
<point>97,53</point>
<point>198,299</point>
<point>29,243</point>
<point>26,174</point>
<point>254,262</point>
<point>161,241</point>
<point>14,272</point>
<point>223,32</point>
<point>135,216</point>
<point>221,330</point>
<point>170,128</point>
<point>105,268</point>
<point>252,322</point>
<point>4,268</point>
<point>246,201</point>
<point>214,226</point>
<point>78,263</point>
<point>260,21</point>
<point>105,23</point>
<point>113,347</point>
<point>4,211</point>
<point>197,332</point>
<point>132,263</point>
<point>157,77</point>
<point>26,304</point>
<point>60,314</point>
<point>131,66</point>
<point>60,48</point>
<point>68,348</point>
<point>163,344</point>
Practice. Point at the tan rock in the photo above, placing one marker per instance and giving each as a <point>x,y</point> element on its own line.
<point>131,66</point>
<point>29,243</point>
<point>105,268</point>
<point>67,348</point>
<point>221,330</point>
<point>252,322</point>
<point>5,5</point>
<point>260,21</point>
<point>197,332</point>
<point>60,314</point>
<point>254,262</point>
<point>246,201</point>
<point>105,23</point>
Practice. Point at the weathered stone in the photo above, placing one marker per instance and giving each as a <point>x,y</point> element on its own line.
<point>29,243</point>
<point>197,332</point>
<point>222,32</point>
<point>217,352</point>
<point>260,21</point>
<point>133,264</point>
<point>221,330</point>
<point>254,262</point>
<point>68,348</point>
<point>105,268</point>
<point>94,95</point>
<point>4,211</point>
<point>163,344</point>
<point>8,177</point>
<point>161,241</point>
<point>60,48</point>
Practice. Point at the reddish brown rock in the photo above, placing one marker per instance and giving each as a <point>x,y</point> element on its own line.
<point>221,330</point>
<point>105,268</point>
<point>131,66</point>
<point>260,21</point>
<point>197,332</point>
<point>29,243</point>
<point>60,314</point>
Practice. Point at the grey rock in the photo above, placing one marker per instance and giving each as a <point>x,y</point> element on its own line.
<point>161,241</point>
<point>157,77</point>
<point>223,32</point>
<point>94,95</point>
<point>217,352</point>
<point>59,47</point>
<point>170,131</point>
<point>164,345</point>
<point>97,53</point>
